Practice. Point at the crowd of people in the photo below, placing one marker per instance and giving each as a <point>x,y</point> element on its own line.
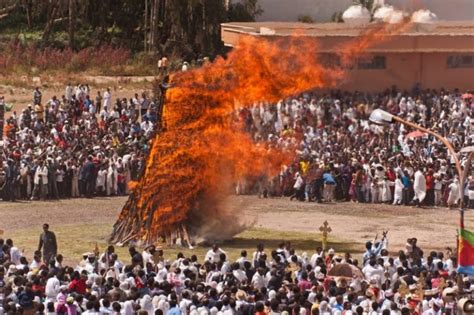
<point>267,281</point>
<point>81,145</point>
<point>77,145</point>
<point>342,156</point>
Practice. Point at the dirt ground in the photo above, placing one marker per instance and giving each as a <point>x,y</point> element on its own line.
<point>435,228</point>
<point>19,91</point>
<point>80,223</point>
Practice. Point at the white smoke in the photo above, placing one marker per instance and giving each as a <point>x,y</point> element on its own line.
<point>356,15</point>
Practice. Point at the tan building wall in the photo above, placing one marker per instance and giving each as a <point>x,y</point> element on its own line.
<point>411,57</point>
<point>407,69</point>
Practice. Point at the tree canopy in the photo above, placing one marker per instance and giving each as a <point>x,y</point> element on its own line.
<point>187,28</point>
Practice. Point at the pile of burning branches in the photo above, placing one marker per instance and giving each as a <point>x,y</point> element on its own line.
<point>203,151</point>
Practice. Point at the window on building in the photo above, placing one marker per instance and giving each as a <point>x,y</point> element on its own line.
<point>371,63</point>
<point>460,61</point>
<point>330,60</point>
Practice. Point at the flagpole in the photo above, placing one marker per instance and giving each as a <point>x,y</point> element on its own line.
<point>467,167</point>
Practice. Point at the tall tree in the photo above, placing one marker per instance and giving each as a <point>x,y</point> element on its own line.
<point>185,28</point>
<point>49,23</point>
<point>154,23</point>
<point>29,13</point>
<point>145,28</point>
<point>244,11</point>
<point>72,26</point>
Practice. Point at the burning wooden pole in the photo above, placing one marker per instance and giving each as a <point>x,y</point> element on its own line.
<point>129,223</point>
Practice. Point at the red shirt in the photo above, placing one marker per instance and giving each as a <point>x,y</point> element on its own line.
<point>78,286</point>
<point>304,285</point>
<point>429,181</point>
<point>38,288</point>
<point>391,175</point>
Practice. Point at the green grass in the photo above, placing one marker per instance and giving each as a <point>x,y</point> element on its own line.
<point>73,240</point>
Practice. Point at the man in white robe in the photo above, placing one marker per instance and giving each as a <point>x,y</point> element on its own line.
<point>454,193</point>
<point>398,193</point>
<point>107,99</point>
<point>419,187</point>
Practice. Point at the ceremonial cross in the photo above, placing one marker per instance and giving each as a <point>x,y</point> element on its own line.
<point>325,229</point>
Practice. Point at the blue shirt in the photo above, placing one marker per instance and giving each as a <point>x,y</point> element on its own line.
<point>174,311</point>
<point>374,250</point>
<point>328,179</point>
<point>405,181</point>
<point>87,103</point>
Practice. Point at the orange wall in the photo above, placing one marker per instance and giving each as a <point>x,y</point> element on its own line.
<point>407,69</point>
<point>436,73</point>
<point>403,68</point>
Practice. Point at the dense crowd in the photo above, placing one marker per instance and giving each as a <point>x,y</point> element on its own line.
<point>76,145</point>
<point>276,281</point>
<point>341,155</point>
<point>81,145</point>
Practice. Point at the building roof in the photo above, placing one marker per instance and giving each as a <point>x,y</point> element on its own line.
<point>453,36</point>
<point>442,28</point>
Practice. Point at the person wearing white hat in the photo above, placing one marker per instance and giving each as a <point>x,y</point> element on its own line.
<point>185,66</point>
<point>435,307</point>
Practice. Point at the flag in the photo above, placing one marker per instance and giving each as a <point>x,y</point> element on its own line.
<point>466,252</point>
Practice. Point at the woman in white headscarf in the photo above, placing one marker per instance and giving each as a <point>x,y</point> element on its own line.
<point>124,286</point>
<point>163,304</point>
<point>154,301</point>
<point>193,310</point>
<point>324,308</point>
<point>146,304</point>
<point>128,308</point>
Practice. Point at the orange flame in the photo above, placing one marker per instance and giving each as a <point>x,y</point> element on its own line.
<point>204,150</point>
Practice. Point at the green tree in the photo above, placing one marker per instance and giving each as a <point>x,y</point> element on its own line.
<point>369,4</point>
<point>244,11</point>
<point>183,28</point>
<point>305,19</point>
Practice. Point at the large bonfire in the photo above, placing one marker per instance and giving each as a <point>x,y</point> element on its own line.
<point>203,150</point>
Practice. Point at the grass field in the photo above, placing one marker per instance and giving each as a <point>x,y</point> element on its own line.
<point>74,240</point>
<point>80,223</point>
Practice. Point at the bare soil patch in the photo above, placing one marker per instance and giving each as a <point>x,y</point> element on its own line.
<point>80,223</point>
<point>435,228</point>
<point>19,90</point>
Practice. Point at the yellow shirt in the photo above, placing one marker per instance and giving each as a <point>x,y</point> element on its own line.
<point>304,166</point>
<point>39,110</point>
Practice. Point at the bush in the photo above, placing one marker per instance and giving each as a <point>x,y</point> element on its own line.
<point>305,19</point>
<point>18,57</point>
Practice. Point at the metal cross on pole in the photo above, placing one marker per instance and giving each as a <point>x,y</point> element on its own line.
<point>325,229</point>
